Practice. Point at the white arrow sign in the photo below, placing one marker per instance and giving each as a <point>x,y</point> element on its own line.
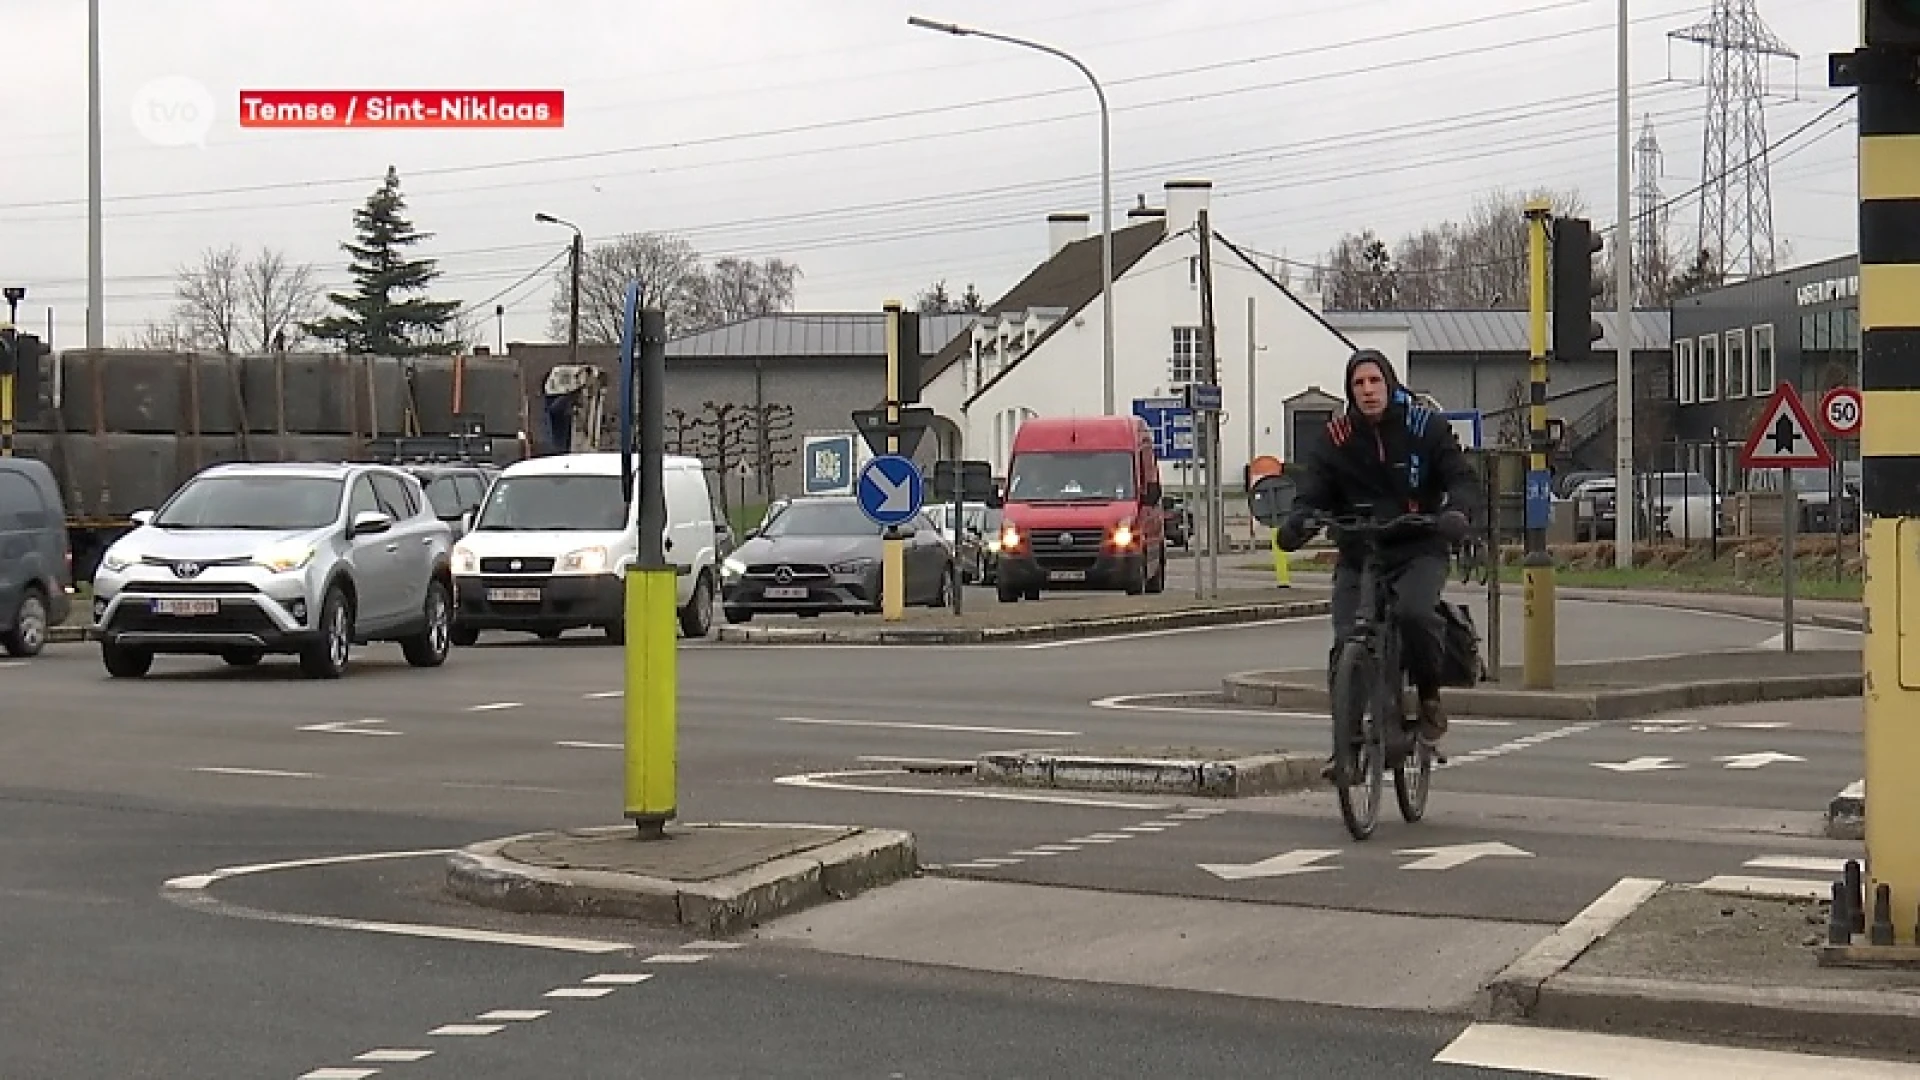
<point>1446,858</point>
<point>1757,761</point>
<point>1639,764</point>
<point>350,727</point>
<point>1293,862</point>
<point>896,498</point>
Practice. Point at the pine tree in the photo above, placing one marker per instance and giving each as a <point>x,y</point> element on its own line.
<point>376,320</point>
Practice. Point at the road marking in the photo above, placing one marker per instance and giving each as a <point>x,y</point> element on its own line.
<point>12,663</point>
<point>466,785</point>
<point>954,764</point>
<point>1806,864</point>
<point>514,1014</point>
<point>339,1074</point>
<point>1781,888</point>
<point>1109,837</point>
<point>831,781</point>
<point>1757,761</point>
<point>708,946</point>
<point>673,958</point>
<point>1525,742</point>
<point>601,695</point>
<point>282,774</point>
<point>351,727</point>
<point>468,1029</point>
<point>395,1056</point>
<point>580,992</point>
<point>1108,639</point>
<point>1448,857</point>
<point>1756,725</point>
<point>1133,703</point>
<point>201,881</point>
<point>623,978</point>
<point>1055,848</point>
<point>1283,865</point>
<point>977,864</point>
<point>1564,1052</point>
<point>996,860</point>
<point>572,744</point>
<point>904,725</point>
<point>494,706</point>
<point>1640,764</point>
<point>1033,853</point>
<point>1144,828</point>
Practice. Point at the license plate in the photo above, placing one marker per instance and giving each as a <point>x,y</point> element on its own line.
<point>1066,575</point>
<point>514,596</point>
<point>186,607</point>
<point>786,592</point>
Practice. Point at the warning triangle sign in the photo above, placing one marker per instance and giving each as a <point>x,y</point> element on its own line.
<point>1784,437</point>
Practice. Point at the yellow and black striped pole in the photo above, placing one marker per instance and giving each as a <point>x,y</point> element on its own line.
<point>9,365</point>
<point>1537,599</point>
<point>1889,112</point>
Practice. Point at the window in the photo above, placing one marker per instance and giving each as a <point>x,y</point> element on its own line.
<point>1071,476</point>
<point>823,517</point>
<point>1184,367</point>
<point>1852,339</point>
<point>267,502</point>
<point>394,501</point>
<point>1763,367</point>
<point>1709,367</point>
<point>364,500</point>
<point>20,506</point>
<point>443,492</point>
<point>1736,378</point>
<point>1683,370</point>
<point>575,502</point>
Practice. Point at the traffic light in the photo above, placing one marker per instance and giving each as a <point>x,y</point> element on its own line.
<point>1575,287</point>
<point>9,351</point>
<point>1893,23</point>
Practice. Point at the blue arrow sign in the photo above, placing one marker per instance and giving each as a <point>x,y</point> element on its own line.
<point>891,490</point>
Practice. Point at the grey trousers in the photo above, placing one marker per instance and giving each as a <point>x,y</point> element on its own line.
<point>1416,586</point>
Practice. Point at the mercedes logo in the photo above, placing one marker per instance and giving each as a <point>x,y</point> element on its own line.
<point>186,569</point>
<point>783,574</point>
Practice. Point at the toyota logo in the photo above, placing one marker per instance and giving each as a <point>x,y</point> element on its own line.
<point>783,574</point>
<point>1066,539</point>
<point>186,569</point>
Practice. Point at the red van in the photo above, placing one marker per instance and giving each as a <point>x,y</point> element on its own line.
<point>1082,508</point>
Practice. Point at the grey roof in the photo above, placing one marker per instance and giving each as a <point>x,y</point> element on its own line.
<point>839,334</point>
<point>1493,331</point>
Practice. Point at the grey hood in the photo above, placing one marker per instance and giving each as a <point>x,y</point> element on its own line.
<point>210,545</point>
<point>808,549</point>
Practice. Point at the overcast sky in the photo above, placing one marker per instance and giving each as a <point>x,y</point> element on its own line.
<point>876,156</point>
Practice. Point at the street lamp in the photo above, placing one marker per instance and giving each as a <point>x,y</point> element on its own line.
<point>1106,188</point>
<point>573,308</point>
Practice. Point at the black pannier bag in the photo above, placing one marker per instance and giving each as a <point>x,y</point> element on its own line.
<point>1461,664</point>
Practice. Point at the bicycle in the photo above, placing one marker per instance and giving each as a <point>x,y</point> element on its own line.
<point>1365,747</point>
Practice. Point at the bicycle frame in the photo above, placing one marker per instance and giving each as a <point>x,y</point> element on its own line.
<point>1376,632</point>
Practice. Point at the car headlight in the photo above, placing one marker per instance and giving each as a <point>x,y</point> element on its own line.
<point>732,567</point>
<point>1123,535</point>
<point>114,562</point>
<point>852,566</point>
<point>993,545</point>
<point>284,558</point>
<point>1009,536</point>
<point>591,560</point>
<point>464,561</point>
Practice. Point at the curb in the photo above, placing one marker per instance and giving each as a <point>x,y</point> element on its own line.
<point>1076,628</point>
<point>1220,778</point>
<point>718,906</point>
<point>1847,813</point>
<point>1255,688</point>
<point>1515,992</point>
<point>67,635</point>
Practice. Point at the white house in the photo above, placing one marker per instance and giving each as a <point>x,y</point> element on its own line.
<point>1038,350</point>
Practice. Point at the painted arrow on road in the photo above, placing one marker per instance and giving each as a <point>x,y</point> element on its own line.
<point>350,727</point>
<point>1639,764</point>
<point>1757,761</point>
<point>1446,858</point>
<point>1293,862</point>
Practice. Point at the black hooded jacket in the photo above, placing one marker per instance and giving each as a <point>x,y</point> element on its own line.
<point>1409,462</point>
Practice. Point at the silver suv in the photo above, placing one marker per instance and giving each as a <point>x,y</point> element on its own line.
<point>309,559</point>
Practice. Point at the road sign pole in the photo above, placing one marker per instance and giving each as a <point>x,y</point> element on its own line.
<point>1537,589</point>
<point>1789,526</point>
<point>651,699</point>
<point>959,586</point>
<point>893,565</point>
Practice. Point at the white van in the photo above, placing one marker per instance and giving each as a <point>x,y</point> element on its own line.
<point>547,551</point>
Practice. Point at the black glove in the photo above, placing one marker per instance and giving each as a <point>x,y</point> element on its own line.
<point>1294,533</point>
<point>1453,525</point>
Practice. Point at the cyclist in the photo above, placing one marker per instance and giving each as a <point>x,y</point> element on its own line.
<point>1397,456</point>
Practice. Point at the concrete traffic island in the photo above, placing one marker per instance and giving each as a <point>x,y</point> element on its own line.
<point>1055,617</point>
<point>1661,960</point>
<point>1611,690</point>
<point>716,879</point>
<point>1206,773</point>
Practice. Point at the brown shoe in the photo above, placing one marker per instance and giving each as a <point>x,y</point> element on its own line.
<point>1433,719</point>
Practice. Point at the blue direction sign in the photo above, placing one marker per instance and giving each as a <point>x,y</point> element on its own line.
<point>829,464</point>
<point>891,490</point>
<point>1171,423</point>
<point>1466,426</point>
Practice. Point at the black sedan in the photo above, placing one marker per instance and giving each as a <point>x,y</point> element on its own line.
<point>823,554</point>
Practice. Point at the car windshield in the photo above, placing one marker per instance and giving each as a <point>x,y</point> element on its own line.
<point>1680,485</point>
<point>267,503</point>
<point>805,517</point>
<point>569,502</point>
<point>444,497</point>
<point>1071,476</point>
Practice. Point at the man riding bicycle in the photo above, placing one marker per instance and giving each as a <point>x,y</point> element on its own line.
<point>1393,456</point>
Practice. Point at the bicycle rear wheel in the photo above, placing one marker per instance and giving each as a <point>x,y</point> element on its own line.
<point>1358,750</point>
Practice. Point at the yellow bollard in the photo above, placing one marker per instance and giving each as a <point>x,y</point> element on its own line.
<point>893,578</point>
<point>1282,565</point>
<point>651,697</point>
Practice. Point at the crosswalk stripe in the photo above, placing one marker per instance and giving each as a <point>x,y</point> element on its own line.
<point>1559,1052</point>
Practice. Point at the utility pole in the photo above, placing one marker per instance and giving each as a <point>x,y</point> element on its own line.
<point>1210,343</point>
<point>577,252</point>
<point>1623,518</point>
<point>1537,567</point>
<point>96,262</point>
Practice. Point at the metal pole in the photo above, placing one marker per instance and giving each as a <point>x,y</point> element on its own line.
<point>573,306</point>
<point>959,530</point>
<point>1623,338</point>
<point>1210,338</point>
<point>651,698</point>
<point>1537,569</point>
<point>1789,524</point>
<point>96,274</point>
<point>1490,460</point>
<point>1253,428</point>
<point>893,566</point>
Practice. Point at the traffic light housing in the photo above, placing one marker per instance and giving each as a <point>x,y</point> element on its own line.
<point>20,360</point>
<point>9,351</point>
<point>1893,24</point>
<point>1575,288</point>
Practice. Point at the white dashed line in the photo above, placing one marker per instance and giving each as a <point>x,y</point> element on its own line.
<point>580,992</point>
<point>673,958</point>
<point>1144,828</point>
<point>514,1014</point>
<point>1057,847</point>
<point>572,744</point>
<point>1107,836</point>
<point>467,1029</point>
<point>339,1074</point>
<point>708,946</point>
<point>995,860</point>
<point>395,1056</point>
<point>906,726</point>
<point>494,706</point>
<point>602,695</point>
<point>278,773</point>
<point>1032,853</point>
<point>619,979</point>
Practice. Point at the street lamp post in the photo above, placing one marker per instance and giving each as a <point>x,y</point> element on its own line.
<point>96,276</point>
<point>1106,188</point>
<point>573,306</point>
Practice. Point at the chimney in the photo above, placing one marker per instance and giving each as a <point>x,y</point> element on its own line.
<point>1185,200</point>
<point>1142,214</point>
<point>1064,229</point>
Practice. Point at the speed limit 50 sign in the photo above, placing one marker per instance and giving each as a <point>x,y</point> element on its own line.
<point>1840,411</point>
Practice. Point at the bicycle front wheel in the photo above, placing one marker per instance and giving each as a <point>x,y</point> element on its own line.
<point>1412,779</point>
<point>1359,775</point>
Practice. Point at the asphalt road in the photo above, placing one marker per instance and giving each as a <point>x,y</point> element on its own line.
<point>1079,957</point>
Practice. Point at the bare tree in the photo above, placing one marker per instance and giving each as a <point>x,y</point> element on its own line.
<point>158,337</point>
<point>725,439</point>
<point>936,300</point>
<point>734,289</point>
<point>458,333</point>
<point>1359,275</point>
<point>276,297</point>
<point>207,300</point>
<point>1480,262</point>
<point>667,268</point>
